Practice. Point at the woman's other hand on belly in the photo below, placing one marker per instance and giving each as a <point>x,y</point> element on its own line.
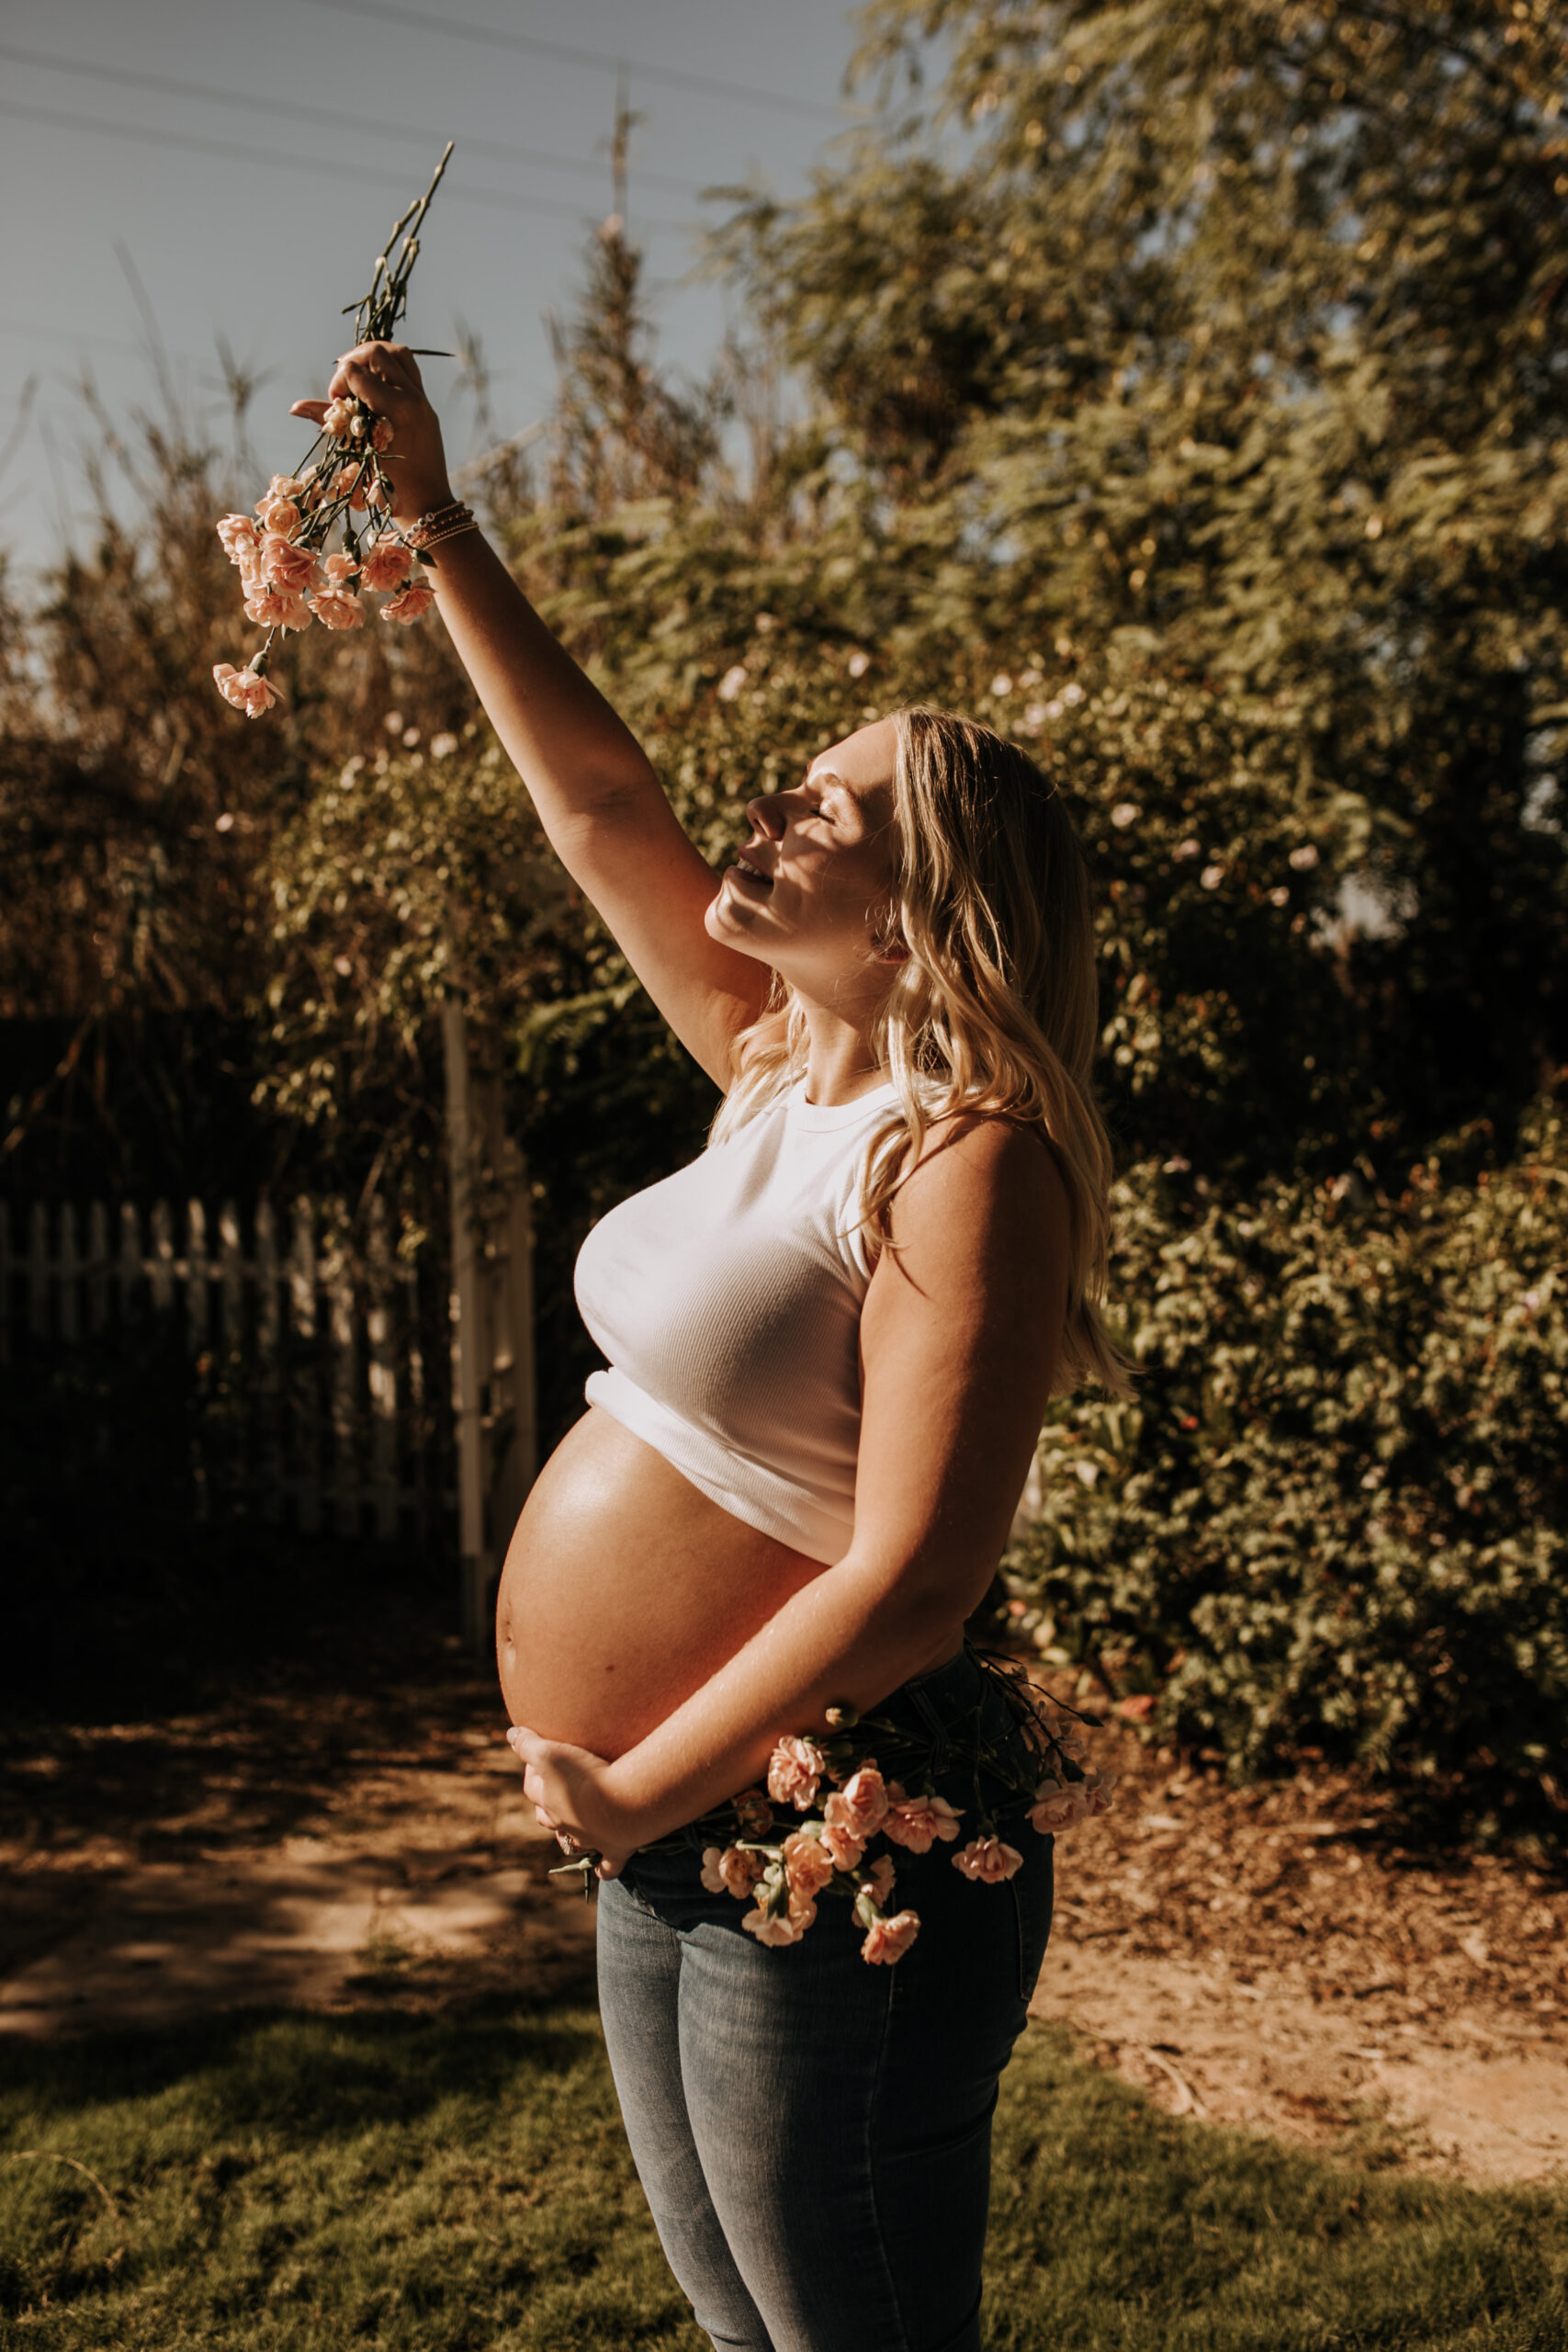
<point>570,1792</point>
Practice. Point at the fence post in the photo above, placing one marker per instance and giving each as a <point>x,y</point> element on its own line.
<point>69,1268</point>
<point>37,1272</point>
<point>344,1479</point>
<point>302,1305</point>
<point>97,1267</point>
<point>468,1336</point>
<point>267,1335</point>
<point>198,1315</point>
<point>129,1272</point>
<point>163,1266</point>
<point>383,1377</point>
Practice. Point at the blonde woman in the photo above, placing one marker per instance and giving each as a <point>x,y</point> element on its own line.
<point>831,1341</point>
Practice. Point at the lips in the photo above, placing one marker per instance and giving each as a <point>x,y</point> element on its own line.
<point>741,865</point>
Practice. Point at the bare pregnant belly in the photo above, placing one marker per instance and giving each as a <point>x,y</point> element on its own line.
<point>625,1589</point>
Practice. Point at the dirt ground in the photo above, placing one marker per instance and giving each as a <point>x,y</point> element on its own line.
<point>1271,1958</point>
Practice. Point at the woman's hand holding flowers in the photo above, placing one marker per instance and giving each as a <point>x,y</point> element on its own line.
<point>384,378</point>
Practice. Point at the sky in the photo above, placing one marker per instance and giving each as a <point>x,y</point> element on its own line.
<point>228,169</point>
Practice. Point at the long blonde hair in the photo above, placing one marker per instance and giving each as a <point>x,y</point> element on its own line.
<point>995,1009</point>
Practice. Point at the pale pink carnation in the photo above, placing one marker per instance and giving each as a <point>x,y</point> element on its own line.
<point>1056,1808</point>
<point>861,1805</point>
<point>278,513</point>
<point>807,1864</point>
<point>375,492</point>
<point>880,1878</point>
<point>386,563</point>
<point>339,568</point>
<point>988,1861</point>
<point>339,419</point>
<point>240,535</point>
<point>288,485</point>
<point>783,1927</point>
<point>796,1766</point>
<point>286,564</point>
<point>336,608</point>
<point>382,437</point>
<point>276,607</point>
<point>845,1847</point>
<point>919,1822</point>
<point>1098,1789</point>
<point>731,1871</point>
<point>243,688</point>
<point>888,1940</point>
<point>410,606</point>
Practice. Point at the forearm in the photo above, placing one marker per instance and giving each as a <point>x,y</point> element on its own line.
<point>850,1636</point>
<point>575,756</point>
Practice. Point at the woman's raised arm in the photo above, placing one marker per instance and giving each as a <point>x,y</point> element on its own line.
<point>598,798</point>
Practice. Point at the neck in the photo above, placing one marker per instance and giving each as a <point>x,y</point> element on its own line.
<point>839,1063</point>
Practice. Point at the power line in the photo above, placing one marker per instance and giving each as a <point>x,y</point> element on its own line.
<point>360,173</point>
<point>330,117</point>
<point>745,93</point>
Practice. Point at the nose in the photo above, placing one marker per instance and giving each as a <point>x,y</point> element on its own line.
<point>767,815</point>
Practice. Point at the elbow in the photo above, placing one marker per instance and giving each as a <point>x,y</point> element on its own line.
<point>920,1599</point>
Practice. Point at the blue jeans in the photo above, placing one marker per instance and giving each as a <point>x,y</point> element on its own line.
<point>814,2133</point>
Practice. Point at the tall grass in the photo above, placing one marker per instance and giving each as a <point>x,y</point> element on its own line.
<point>461,2185</point>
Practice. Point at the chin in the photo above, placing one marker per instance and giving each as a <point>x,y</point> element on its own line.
<point>725,922</point>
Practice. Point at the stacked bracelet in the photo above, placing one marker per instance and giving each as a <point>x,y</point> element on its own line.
<point>441,523</point>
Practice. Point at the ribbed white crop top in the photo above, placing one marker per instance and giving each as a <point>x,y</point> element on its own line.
<point>727,1300</point>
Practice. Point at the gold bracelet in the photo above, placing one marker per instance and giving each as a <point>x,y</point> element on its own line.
<point>441,523</point>
<point>453,531</point>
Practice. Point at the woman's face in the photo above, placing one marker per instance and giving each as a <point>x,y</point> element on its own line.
<point>803,894</point>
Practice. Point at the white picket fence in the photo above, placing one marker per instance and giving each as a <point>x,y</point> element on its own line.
<point>326,1360</point>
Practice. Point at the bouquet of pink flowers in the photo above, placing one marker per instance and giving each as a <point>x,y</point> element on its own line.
<point>288,571</point>
<point>781,1869</point>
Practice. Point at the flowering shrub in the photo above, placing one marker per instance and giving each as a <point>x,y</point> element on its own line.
<point>1338,1511</point>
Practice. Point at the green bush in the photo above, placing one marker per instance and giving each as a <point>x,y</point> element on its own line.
<point>1338,1512</point>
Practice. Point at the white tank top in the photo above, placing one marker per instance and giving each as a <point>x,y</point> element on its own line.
<point>727,1300</point>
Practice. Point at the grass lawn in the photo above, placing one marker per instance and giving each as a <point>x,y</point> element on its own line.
<point>435,2185</point>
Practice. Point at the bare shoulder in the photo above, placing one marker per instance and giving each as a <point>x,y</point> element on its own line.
<point>984,1179</point>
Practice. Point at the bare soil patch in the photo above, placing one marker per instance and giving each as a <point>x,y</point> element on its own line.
<point>1275,1957</point>
<point>1278,1957</point>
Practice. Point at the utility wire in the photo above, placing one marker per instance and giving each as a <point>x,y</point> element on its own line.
<point>361,173</point>
<point>455,29</point>
<point>330,118</point>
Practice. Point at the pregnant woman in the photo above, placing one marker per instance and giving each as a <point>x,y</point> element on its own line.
<point>831,1341</point>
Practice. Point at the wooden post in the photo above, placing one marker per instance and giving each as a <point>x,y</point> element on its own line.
<point>383,1377</point>
<point>129,1272</point>
<point>198,1319</point>
<point>513,1429</point>
<point>469,1349</point>
<point>163,1267</point>
<point>69,1317</point>
<point>344,1479</point>
<point>268,1350</point>
<point>38,1273</point>
<point>302,1305</point>
<point>97,1267</point>
<point>231,1295</point>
